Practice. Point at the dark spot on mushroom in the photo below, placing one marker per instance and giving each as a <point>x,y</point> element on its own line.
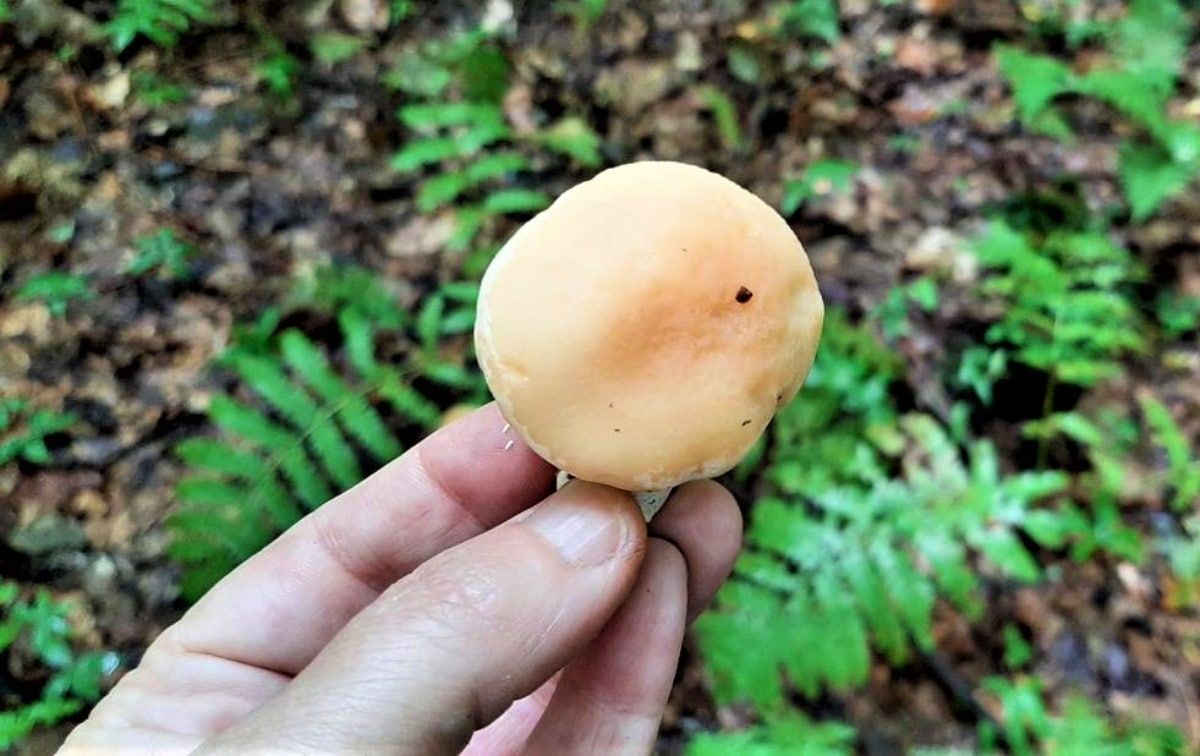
<point>616,430</point>
<point>778,399</point>
<point>745,423</point>
<point>610,405</point>
<point>743,295</point>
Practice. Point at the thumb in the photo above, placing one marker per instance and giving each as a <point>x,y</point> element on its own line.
<point>448,648</point>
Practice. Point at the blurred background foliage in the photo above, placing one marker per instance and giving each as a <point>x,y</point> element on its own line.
<point>240,249</point>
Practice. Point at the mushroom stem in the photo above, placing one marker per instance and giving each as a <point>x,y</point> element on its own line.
<point>651,501</point>
<point>648,501</point>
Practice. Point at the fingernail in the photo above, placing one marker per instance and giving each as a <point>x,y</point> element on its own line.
<point>585,534</point>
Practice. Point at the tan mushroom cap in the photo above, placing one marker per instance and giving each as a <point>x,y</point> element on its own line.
<point>643,330</point>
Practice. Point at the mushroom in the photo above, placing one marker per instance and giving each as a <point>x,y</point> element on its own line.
<point>643,330</point>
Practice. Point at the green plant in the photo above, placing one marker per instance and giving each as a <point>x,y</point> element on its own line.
<point>400,10</point>
<point>161,251</point>
<point>160,21</point>
<point>153,91</point>
<point>786,734</point>
<point>1064,303</point>
<point>1107,440</point>
<point>893,312</point>
<point>462,151</point>
<point>23,431</point>
<point>1146,52</point>
<point>74,678</point>
<point>456,135</point>
<point>311,420</point>
<point>869,515</point>
<point>277,69</point>
<point>724,115</point>
<point>1080,728</point>
<point>1182,552</point>
<point>56,290</point>
<point>979,367</point>
<point>820,178</point>
<point>810,18</point>
<point>5,11</point>
<point>1177,313</point>
<point>332,48</point>
<point>1181,478</point>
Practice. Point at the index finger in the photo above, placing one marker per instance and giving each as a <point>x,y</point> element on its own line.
<point>277,610</point>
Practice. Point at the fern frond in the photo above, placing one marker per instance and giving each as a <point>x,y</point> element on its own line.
<point>277,442</point>
<point>160,21</point>
<point>1151,42</point>
<point>1182,461</point>
<point>309,432</point>
<point>1127,91</point>
<point>785,733</point>
<point>1036,79</point>
<point>1065,309</point>
<point>17,724</point>
<point>422,152</point>
<point>435,115</point>
<point>872,517</point>
<point>353,411</point>
<point>1150,176</point>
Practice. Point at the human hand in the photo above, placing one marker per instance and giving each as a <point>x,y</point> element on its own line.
<point>428,610</point>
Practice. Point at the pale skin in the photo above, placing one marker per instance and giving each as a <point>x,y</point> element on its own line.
<point>449,602</point>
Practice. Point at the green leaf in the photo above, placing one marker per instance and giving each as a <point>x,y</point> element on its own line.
<point>160,21</point>
<point>1150,177</point>
<point>494,166</point>
<point>428,116</point>
<point>724,114</point>
<point>441,190</point>
<point>1036,79</point>
<point>410,403</point>
<point>744,64</point>
<point>573,137</point>
<point>331,48</point>
<point>353,411</point>
<point>787,732</point>
<point>427,151</point>
<point>520,201</point>
<point>15,725</point>
<point>1151,42</point>
<point>813,18</point>
<point>1003,549</point>
<point>213,456</point>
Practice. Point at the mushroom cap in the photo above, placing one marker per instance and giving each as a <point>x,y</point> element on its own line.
<point>643,330</point>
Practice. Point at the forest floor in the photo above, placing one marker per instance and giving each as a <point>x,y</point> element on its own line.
<point>266,188</point>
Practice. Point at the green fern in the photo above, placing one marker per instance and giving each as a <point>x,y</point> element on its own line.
<point>870,517</point>
<point>811,18</point>
<point>1028,727</point>
<point>160,21</point>
<point>786,734</point>
<point>1182,474</point>
<point>1147,49</point>
<point>24,429</point>
<point>462,151</point>
<point>1065,311</point>
<point>57,290</point>
<point>1150,176</point>
<point>1037,80</point>
<point>75,679</point>
<point>310,433</point>
<point>820,178</point>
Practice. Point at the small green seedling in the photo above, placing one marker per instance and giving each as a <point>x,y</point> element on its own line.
<point>56,289</point>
